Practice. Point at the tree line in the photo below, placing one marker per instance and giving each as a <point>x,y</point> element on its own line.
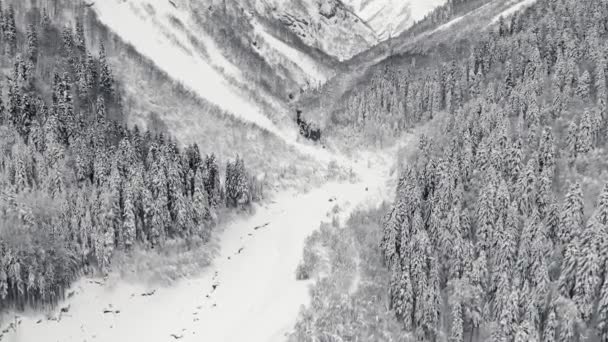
<point>77,184</point>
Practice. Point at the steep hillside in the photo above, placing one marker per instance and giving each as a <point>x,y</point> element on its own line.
<point>389,18</point>
<point>499,227</point>
<point>223,55</point>
<point>327,25</point>
<point>447,31</point>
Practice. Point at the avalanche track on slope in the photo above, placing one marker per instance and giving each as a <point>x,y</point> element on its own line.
<point>249,292</point>
<point>151,30</point>
<point>154,29</point>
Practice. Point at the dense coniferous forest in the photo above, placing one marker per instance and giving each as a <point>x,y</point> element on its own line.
<point>77,184</point>
<point>499,230</point>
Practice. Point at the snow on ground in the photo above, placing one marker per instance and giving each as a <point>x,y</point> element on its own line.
<point>519,5</point>
<point>310,67</point>
<point>154,36</point>
<point>446,25</point>
<point>392,17</point>
<point>249,293</point>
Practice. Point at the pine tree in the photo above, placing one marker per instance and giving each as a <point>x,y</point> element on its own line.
<point>432,300</point>
<point>201,207</point>
<point>211,177</point>
<point>509,78</point>
<point>588,270</point>
<point>601,92</point>
<point>159,211</point>
<point>572,142</point>
<point>585,134</point>
<point>67,37</point>
<point>32,44</point>
<point>572,214</point>
<point>79,38</point>
<point>584,83</point>
<point>457,328</point>
<point>510,316</point>
<point>106,240</point>
<point>403,301</point>
<point>3,276</point>
<point>528,188</point>
<point>81,78</point>
<point>526,332</point>
<point>390,237</point>
<point>485,217</point>
<point>569,268</point>
<point>106,80</point>
<point>601,213</point>
<point>569,320</point>
<point>10,31</point>
<point>116,201</point>
<point>602,312</point>
<point>549,334</point>
<point>91,74</point>
<point>128,218</point>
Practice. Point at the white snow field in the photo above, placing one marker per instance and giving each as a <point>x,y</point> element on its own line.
<point>256,295</point>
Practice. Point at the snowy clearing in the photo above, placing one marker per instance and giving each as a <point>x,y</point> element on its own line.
<point>249,293</point>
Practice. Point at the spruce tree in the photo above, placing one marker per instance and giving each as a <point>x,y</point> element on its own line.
<point>79,38</point>
<point>128,218</point>
<point>106,80</point>
<point>584,83</point>
<point>551,326</point>
<point>32,44</point>
<point>572,214</point>
<point>585,134</point>
<point>10,31</point>
<point>602,312</point>
<point>457,327</point>
<point>201,207</point>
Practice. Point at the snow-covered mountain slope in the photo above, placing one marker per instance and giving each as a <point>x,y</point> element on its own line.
<point>223,54</point>
<point>348,27</point>
<point>160,32</point>
<point>411,47</point>
<point>389,18</point>
<point>327,25</point>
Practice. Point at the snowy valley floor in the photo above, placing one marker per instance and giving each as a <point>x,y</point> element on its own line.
<point>249,293</point>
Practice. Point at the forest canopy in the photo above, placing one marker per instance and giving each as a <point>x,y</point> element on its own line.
<point>78,184</point>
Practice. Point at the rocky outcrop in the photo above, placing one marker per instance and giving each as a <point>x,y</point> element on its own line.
<point>327,25</point>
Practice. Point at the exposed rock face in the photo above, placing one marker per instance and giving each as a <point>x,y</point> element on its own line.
<point>328,9</point>
<point>324,24</point>
<point>344,28</point>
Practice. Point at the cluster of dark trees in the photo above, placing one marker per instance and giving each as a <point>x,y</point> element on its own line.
<point>491,236</point>
<point>306,129</point>
<point>76,184</point>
